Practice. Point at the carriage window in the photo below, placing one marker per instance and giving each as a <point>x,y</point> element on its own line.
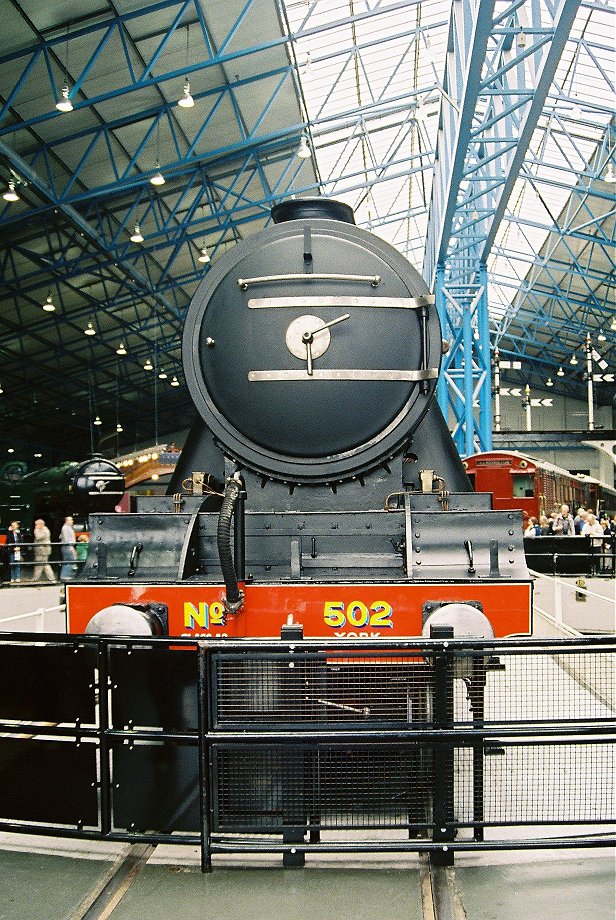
<point>523,485</point>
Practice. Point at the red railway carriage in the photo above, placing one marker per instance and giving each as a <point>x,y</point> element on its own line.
<point>536,486</point>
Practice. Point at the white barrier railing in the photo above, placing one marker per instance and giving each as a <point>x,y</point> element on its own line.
<point>40,623</point>
<point>563,597</point>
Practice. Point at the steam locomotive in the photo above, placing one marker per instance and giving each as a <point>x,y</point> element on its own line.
<point>75,487</point>
<point>320,485</point>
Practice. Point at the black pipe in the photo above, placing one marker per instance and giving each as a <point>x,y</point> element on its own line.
<point>234,596</point>
<point>239,536</point>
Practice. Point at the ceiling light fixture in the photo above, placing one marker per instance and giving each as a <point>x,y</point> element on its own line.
<point>205,256</point>
<point>573,360</point>
<point>186,101</point>
<point>609,174</point>
<point>119,428</point>
<point>89,330</point>
<point>175,382</point>
<point>162,375</point>
<point>601,336</point>
<point>613,325</point>
<point>120,350</point>
<point>148,366</point>
<point>1,392</point>
<point>303,151</point>
<point>137,235</point>
<point>49,305</point>
<point>64,103</point>
<point>11,194</point>
<point>157,178</point>
<point>549,382</point>
<point>97,420</point>
<point>560,372</point>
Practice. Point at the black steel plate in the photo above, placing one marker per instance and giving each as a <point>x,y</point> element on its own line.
<point>48,782</point>
<point>155,787</point>
<point>154,687</point>
<point>50,683</point>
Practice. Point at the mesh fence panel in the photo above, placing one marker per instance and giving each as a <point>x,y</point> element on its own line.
<point>322,786</point>
<point>308,689</point>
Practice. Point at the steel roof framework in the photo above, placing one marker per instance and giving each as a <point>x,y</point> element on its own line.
<point>428,125</point>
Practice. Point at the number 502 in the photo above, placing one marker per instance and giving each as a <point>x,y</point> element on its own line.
<point>378,615</point>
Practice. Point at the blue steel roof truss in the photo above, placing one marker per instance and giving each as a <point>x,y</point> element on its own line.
<point>84,179</point>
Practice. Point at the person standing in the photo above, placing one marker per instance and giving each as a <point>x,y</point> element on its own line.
<point>533,529</point>
<point>69,556</point>
<point>580,519</point>
<point>593,529</point>
<point>14,539</point>
<point>564,525</point>
<point>81,550</point>
<point>42,551</point>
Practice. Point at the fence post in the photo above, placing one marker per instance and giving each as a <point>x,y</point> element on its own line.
<point>103,715</point>
<point>558,602</point>
<point>204,711</point>
<point>443,788</point>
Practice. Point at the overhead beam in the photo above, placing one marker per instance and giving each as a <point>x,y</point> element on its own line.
<point>470,26</point>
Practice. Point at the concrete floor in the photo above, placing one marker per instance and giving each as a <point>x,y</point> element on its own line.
<point>527,885</point>
<point>317,894</point>
<point>35,886</point>
<point>566,888</point>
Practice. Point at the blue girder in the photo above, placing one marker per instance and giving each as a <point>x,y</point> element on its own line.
<point>493,95</point>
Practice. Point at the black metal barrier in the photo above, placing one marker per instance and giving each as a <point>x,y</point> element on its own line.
<point>310,746</point>
<point>554,555</point>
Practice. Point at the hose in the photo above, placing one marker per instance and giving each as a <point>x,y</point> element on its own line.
<point>235,596</point>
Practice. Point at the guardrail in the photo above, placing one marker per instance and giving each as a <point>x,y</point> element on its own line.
<point>580,555</point>
<point>298,747</point>
<point>569,608</point>
<point>39,616</point>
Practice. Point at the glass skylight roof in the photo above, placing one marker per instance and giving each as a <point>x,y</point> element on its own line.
<point>372,90</point>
